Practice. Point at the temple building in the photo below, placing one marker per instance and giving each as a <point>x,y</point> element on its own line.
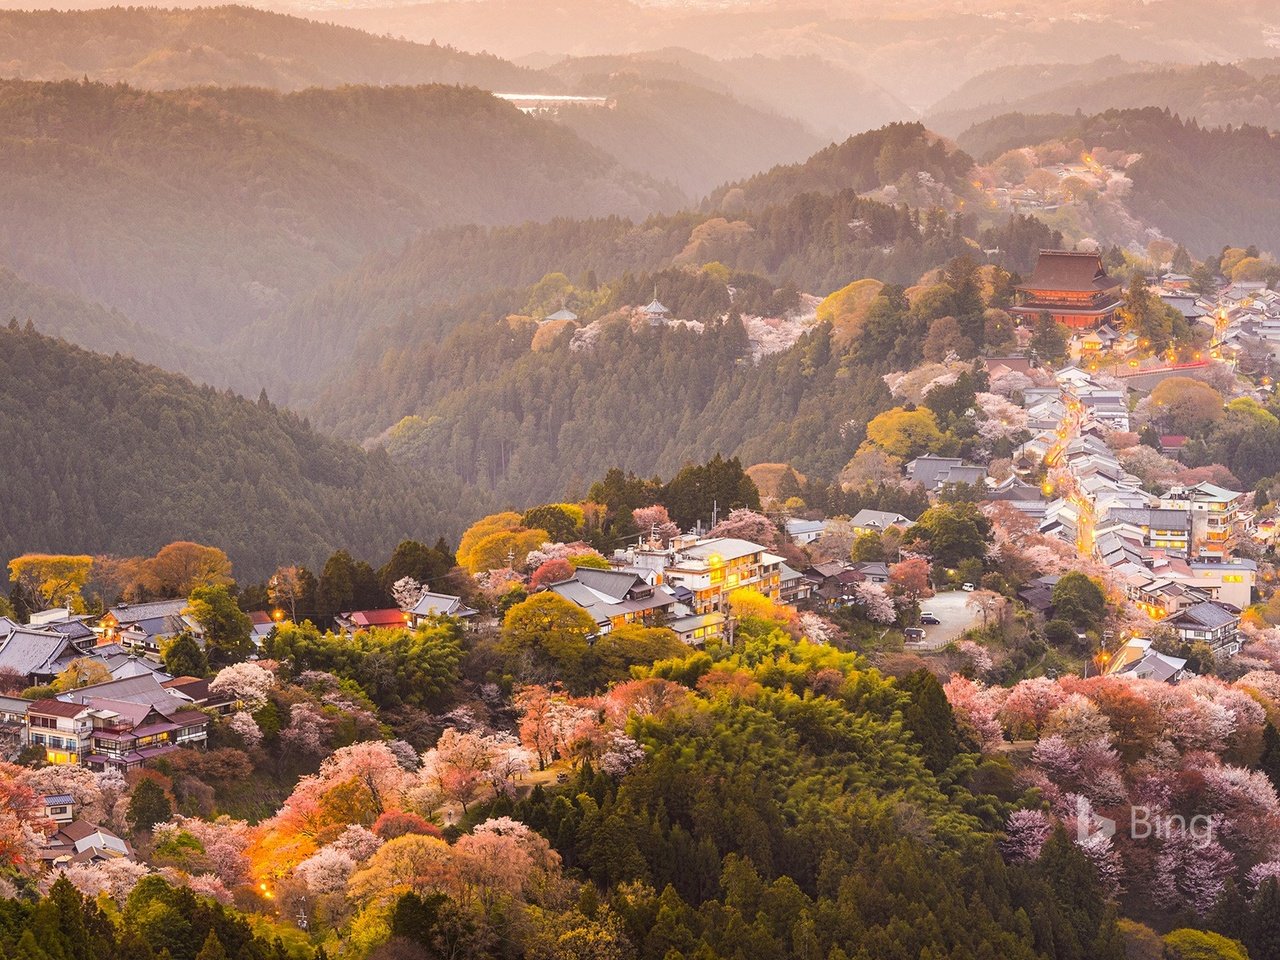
<point>1072,287</point>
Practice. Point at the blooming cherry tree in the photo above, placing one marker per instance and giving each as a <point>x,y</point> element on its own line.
<point>249,683</point>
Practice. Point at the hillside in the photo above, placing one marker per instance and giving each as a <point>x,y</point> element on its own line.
<point>195,213</point>
<point>820,243</point>
<point>531,424</point>
<point>107,455</point>
<point>530,411</point>
<point>1214,94</point>
<point>892,156</point>
<point>228,45</point>
<point>684,133</point>
<point>64,315</point>
<point>1209,187</point>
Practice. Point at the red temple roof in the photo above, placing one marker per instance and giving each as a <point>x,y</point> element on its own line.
<point>1069,271</point>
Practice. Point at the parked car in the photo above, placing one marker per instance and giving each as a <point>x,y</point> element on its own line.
<point>968,587</point>
<point>930,619</point>
<point>913,634</point>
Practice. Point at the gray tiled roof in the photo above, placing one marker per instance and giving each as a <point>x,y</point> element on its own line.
<point>35,651</point>
<point>1211,616</point>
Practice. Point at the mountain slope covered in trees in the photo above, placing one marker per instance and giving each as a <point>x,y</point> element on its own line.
<point>230,45</point>
<point>530,412</point>
<point>105,455</point>
<point>682,132</point>
<point>819,243</point>
<point>1206,186</point>
<point>61,314</point>
<point>196,212</point>
<point>866,161</point>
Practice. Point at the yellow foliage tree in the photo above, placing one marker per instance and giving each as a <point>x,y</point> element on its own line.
<point>503,548</point>
<point>182,566</point>
<point>52,579</point>
<point>847,308</point>
<point>746,602</point>
<point>494,523</point>
<point>81,672</point>
<point>905,433</point>
<point>1252,268</point>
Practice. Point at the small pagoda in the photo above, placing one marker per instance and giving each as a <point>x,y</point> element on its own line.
<point>1071,286</point>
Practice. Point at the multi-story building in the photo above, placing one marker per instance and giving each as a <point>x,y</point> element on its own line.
<point>712,569</point>
<point>701,574</point>
<point>1163,529</point>
<point>119,724</point>
<point>1217,517</point>
<point>616,598</point>
<point>1210,623</point>
<point>1227,581</point>
<point>64,730</point>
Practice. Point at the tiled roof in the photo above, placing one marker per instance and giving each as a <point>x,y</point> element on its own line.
<point>30,651</point>
<point>877,518</point>
<point>1071,271</point>
<point>134,612</point>
<point>441,604</point>
<point>389,617</point>
<point>57,708</point>
<point>1211,616</point>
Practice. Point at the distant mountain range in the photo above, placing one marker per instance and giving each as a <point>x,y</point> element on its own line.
<point>194,213</point>
<point>831,100</point>
<point>1214,94</point>
<point>917,51</point>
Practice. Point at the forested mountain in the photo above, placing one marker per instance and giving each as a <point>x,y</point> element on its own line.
<point>529,413</point>
<point>682,132</point>
<point>196,212</point>
<point>61,314</point>
<point>229,45</point>
<point>107,455</point>
<point>1214,94</point>
<point>877,158</point>
<point>1206,186</point>
<point>530,425</point>
<point>819,243</point>
<point>689,130</point>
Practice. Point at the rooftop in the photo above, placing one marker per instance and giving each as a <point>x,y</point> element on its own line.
<point>1070,271</point>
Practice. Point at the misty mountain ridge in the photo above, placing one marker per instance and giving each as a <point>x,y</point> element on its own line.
<point>193,213</point>
<point>1215,94</point>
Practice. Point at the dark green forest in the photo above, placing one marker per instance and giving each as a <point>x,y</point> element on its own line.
<point>105,455</point>
<point>532,424</point>
<point>1206,186</point>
